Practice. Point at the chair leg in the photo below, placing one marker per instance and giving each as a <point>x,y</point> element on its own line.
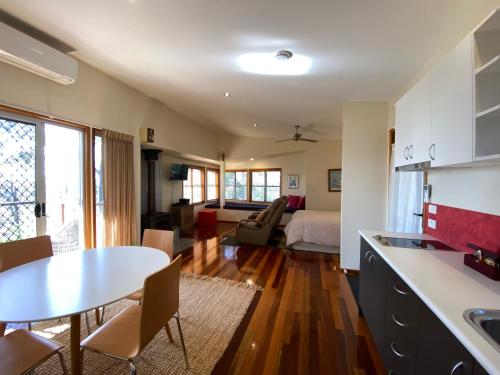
<point>133,371</point>
<point>169,333</point>
<point>178,319</point>
<point>102,315</point>
<point>29,326</point>
<point>63,365</point>
<point>87,321</point>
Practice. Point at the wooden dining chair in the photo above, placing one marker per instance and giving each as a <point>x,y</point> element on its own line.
<point>16,253</point>
<point>129,332</point>
<point>22,351</point>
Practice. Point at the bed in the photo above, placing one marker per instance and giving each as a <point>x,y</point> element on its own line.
<point>314,231</point>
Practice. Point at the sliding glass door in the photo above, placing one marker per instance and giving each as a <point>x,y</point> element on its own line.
<point>42,182</point>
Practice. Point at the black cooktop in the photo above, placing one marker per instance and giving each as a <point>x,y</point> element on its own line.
<point>413,243</point>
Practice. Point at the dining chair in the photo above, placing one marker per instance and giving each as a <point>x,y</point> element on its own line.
<point>126,334</point>
<point>22,351</point>
<point>16,253</point>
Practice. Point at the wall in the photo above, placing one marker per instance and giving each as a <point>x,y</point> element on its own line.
<point>97,100</point>
<point>317,159</point>
<point>365,170</point>
<point>475,188</point>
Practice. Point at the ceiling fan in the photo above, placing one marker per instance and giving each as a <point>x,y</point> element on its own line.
<point>297,136</point>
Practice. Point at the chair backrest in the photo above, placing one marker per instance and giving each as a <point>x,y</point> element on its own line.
<point>159,239</point>
<point>160,300</point>
<point>278,208</point>
<point>15,253</point>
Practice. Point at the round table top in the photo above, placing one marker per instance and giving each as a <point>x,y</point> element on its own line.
<point>75,282</point>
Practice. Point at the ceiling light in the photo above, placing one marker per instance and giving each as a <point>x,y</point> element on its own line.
<point>254,125</point>
<point>251,159</point>
<point>226,94</point>
<point>280,63</point>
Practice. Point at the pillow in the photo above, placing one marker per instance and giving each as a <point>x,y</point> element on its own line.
<point>293,201</point>
<point>302,203</point>
<point>262,216</point>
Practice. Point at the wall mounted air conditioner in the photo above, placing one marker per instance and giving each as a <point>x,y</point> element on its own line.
<point>27,53</point>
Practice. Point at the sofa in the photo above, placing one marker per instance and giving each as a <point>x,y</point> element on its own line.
<point>258,228</point>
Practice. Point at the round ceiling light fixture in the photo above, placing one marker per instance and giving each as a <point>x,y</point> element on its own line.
<point>284,55</point>
<point>281,63</point>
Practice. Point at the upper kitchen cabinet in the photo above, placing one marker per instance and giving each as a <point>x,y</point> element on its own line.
<point>452,119</point>
<point>403,136</point>
<point>413,124</point>
<point>420,120</point>
<point>487,85</point>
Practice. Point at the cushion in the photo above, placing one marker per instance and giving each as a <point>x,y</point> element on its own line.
<point>302,203</point>
<point>262,215</point>
<point>293,201</point>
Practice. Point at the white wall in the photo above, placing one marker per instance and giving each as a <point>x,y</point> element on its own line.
<point>100,101</point>
<point>468,188</point>
<point>364,174</point>
<point>317,159</point>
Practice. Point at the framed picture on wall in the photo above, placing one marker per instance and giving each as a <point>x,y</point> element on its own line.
<point>335,180</point>
<point>293,181</point>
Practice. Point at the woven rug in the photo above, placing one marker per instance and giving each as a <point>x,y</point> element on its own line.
<point>211,310</point>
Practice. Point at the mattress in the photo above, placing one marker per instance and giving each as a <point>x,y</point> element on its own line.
<point>315,227</point>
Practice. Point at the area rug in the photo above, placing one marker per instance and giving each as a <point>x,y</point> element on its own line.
<point>211,311</point>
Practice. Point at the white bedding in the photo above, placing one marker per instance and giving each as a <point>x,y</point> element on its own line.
<point>317,227</point>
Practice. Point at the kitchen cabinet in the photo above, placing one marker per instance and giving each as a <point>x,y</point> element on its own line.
<point>402,119</point>
<point>410,338</point>
<point>373,271</point>
<point>452,120</point>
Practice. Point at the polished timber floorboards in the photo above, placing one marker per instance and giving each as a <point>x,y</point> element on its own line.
<point>305,321</point>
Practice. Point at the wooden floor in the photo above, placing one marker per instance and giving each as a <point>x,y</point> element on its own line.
<point>304,322</point>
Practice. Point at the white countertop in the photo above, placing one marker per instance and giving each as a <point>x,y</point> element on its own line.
<point>447,287</point>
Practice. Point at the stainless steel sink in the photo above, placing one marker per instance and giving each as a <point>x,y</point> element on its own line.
<point>487,323</point>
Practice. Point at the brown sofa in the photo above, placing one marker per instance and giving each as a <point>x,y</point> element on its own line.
<point>257,229</point>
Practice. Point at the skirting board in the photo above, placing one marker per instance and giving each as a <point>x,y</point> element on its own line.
<point>306,246</point>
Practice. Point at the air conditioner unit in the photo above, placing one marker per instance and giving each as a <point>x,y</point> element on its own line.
<point>25,52</point>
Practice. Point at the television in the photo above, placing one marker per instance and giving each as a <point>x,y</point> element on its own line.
<point>179,172</point>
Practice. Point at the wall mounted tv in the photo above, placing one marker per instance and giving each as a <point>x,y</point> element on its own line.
<point>179,172</point>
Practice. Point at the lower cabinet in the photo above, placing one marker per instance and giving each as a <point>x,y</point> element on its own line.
<point>409,337</point>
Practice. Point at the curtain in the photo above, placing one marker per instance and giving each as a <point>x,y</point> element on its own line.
<point>118,188</point>
<point>405,199</point>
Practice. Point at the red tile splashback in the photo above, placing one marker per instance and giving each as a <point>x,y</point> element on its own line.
<point>458,227</point>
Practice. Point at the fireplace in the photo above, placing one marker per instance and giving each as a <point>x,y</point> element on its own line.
<point>153,219</point>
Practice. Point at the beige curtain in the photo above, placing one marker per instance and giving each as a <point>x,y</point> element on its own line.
<point>119,191</point>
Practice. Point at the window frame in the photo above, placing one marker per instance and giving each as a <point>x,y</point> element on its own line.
<point>265,170</point>
<point>203,184</point>
<point>217,184</point>
<point>247,191</point>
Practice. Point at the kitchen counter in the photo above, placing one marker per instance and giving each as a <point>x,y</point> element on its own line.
<point>447,287</point>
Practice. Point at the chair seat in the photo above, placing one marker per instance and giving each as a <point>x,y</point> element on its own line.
<point>21,350</point>
<point>136,296</point>
<point>119,337</point>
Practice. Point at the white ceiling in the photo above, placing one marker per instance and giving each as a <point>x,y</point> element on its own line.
<point>184,52</point>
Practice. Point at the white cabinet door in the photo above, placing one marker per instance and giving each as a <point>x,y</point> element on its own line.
<point>402,119</point>
<point>452,107</point>
<point>420,121</point>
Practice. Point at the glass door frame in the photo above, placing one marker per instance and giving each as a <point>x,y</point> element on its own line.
<point>88,163</point>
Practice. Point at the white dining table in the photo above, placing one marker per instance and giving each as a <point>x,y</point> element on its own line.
<point>70,284</point>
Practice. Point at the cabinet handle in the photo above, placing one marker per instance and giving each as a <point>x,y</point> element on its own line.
<point>405,152</point>
<point>432,151</point>
<point>400,291</point>
<point>410,152</point>
<point>396,351</point>
<point>456,367</point>
<point>397,321</point>
<point>370,258</point>
<point>367,253</point>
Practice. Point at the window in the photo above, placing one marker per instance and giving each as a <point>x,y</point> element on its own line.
<point>212,184</point>
<point>194,187</point>
<point>99,193</point>
<point>265,185</point>
<point>236,185</point>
